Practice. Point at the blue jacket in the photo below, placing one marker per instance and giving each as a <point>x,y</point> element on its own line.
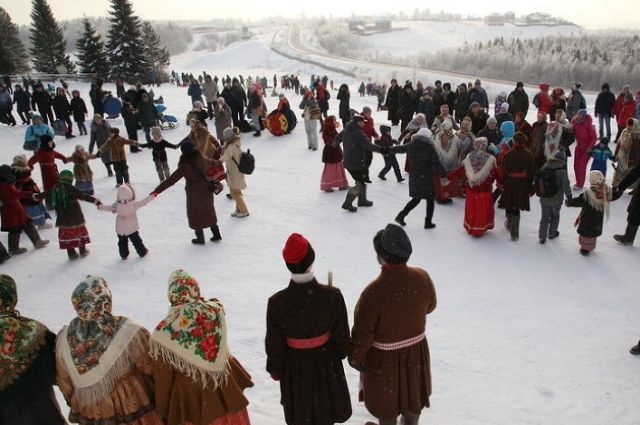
<point>33,134</point>
<point>22,100</point>
<point>600,154</point>
<point>195,92</point>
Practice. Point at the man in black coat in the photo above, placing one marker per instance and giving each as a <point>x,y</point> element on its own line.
<point>237,101</point>
<point>393,102</point>
<point>41,100</point>
<point>518,100</point>
<point>96,94</point>
<point>408,105</point>
<point>22,99</point>
<point>633,211</point>
<point>604,109</point>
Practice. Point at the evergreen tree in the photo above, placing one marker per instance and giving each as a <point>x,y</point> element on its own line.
<point>92,57</point>
<point>156,56</point>
<point>13,55</point>
<point>124,45</point>
<point>48,46</point>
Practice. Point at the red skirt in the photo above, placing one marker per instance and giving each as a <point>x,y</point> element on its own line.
<point>333,175</point>
<point>73,237</point>
<point>452,190</point>
<point>479,212</point>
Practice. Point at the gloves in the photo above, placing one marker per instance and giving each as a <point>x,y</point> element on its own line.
<point>154,194</point>
<point>275,377</point>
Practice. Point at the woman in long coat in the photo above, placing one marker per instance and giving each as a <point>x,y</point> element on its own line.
<point>343,109</point>
<point>197,379</point>
<point>235,179</point>
<point>333,174</point>
<point>425,168</point>
<point>103,365</point>
<point>27,365</point>
<point>201,213</point>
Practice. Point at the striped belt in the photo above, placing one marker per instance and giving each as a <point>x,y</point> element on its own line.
<point>392,346</point>
<point>521,175</point>
<point>308,343</point>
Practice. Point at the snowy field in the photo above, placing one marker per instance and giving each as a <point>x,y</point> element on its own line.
<point>523,333</point>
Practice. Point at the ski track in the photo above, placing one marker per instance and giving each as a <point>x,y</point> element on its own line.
<point>523,333</point>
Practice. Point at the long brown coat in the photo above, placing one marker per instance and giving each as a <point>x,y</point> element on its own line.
<point>518,172</point>
<point>391,309</point>
<point>81,169</point>
<point>200,210</point>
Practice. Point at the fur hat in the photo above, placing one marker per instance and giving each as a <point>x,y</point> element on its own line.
<point>20,163</point>
<point>298,254</point>
<point>520,138</point>
<point>393,243</point>
<point>596,177</point>
<point>424,132</point>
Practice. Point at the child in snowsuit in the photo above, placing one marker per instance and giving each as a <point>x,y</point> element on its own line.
<point>81,170</point>
<point>595,207</point>
<point>79,111</point>
<point>127,226</point>
<point>24,183</point>
<point>390,160</point>
<point>601,154</point>
<point>47,156</point>
<point>552,177</point>
<point>114,146</point>
<point>72,232</point>
<point>159,146</point>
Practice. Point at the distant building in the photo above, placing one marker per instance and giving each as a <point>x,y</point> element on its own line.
<point>494,19</point>
<point>246,35</point>
<point>510,17</point>
<point>362,27</point>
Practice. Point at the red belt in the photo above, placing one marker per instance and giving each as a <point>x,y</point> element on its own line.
<point>518,175</point>
<point>308,343</point>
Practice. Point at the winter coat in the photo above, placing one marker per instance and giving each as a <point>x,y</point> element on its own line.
<point>408,105</point>
<point>449,100</point>
<point>633,211</point>
<point>81,169</point>
<point>343,108</point>
<point>72,215</point>
<point>12,211</point>
<point>129,117</point>
<point>310,107</point>
<point>556,104</point>
<point>590,220</point>
<point>125,209</point>
<point>426,107</point>
<point>575,102</point>
<point>393,102</point>
<point>41,100</point>
<point>210,89</point>
<point>330,154</point>
<point>462,105</point>
<point>195,92</point>
<point>627,111</point>
<point>237,98</point>
<point>98,137</point>
<point>159,149</point>
<point>479,95</point>
<point>425,166</point>
<point>536,146</point>
<point>323,96</point>
<point>562,182</point>
<point>542,101</point>
<point>21,98</point>
<point>355,145</point>
<point>601,154</point>
<point>493,136</point>
<point>604,104</point>
<point>147,114</point>
<point>256,104</point>
<point>518,172</point>
<point>503,118</point>
<point>394,308</point>
<point>61,106</point>
<point>232,154</point>
<point>222,116</point>
<point>5,101</point>
<point>78,108</point>
<point>48,168</point>
<point>584,132</point>
<point>518,102</point>
<point>201,213</point>
<point>115,147</point>
<point>33,134</point>
<point>478,121</point>
<point>312,382</point>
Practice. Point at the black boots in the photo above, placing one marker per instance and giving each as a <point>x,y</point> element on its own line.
<point>428,224</point>
<point>362,197</point>
<point>635,350</point>
<point>348,201</point>
<point>628,237</point>
<point>512,224</point>
<point>199,240</point>
<point>72,254</point>
<point>4,254</point>
<point>216,233</point>
<point>400,218</point>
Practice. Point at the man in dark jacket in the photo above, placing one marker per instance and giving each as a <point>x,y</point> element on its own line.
<point>96,94</point>
<point>22,99</point>
<point>478,94</point>
<point>408,105</point>
<point>195,91</point>
<point>356,145</point>
<point>237,101</point>
<point>604,110</point>
<point>147,116</point>
<point>518,100</point>
<point>633,211</point>
<point>393,102</point>
<point>41,100</point>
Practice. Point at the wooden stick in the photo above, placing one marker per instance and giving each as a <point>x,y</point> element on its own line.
<point>330,279</point>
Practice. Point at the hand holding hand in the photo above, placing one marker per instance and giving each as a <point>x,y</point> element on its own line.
<point>154,194</point>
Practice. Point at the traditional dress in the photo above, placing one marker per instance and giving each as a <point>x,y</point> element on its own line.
<point>27,365</point>
<point>627,152</point>
<point>333,174</point>
<point>25,183</point>
<point>104,370</point>
<point>448,147</point>
<point>307,339</point>
<point>197,380</point>
<point>480,170</point>
<point>46,157</point>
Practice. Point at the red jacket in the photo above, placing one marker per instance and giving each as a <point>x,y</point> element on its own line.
<point>585,132</point>
<point>617,105</point>
<point>12,212</point>
<point>48,167</point>
<point>369,128</point>
<point>544,102</point>
<point>626,112</point>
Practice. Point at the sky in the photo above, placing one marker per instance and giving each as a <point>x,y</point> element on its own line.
<point>594,14</point>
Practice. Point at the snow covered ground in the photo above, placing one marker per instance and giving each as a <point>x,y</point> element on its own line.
<point>523,333</point>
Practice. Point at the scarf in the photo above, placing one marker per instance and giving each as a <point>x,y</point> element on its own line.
<point>479,163</point>
<point>20,338</point>
<point>60,193</point>
<point>552,139</point>
<point>598,196</point>
<point>193,336</point>
<point>447,147</point>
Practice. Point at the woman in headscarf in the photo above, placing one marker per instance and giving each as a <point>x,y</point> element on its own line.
<point>627,151</point>
<point>27,365</point>
<point>333,174</point>
<point>103,365</point>
<point>198,381</point>
<point>447,146</point>
<point>552,139</point>
<point>479,167</point>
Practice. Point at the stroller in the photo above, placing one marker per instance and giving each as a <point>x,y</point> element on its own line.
<point>167,122</point>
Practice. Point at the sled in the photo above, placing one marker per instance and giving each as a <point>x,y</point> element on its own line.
<point>59,127</point>
<point>277,123</point>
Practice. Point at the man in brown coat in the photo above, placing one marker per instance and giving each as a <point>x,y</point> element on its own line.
<point>518,172</point>
<point>389,346</point>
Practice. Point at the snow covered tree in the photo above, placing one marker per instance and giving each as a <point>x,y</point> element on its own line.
<point>13,55</point>
<point>48,46</point>
<point>124,46</point>
<point>92,57</point>
<point>156,56</point>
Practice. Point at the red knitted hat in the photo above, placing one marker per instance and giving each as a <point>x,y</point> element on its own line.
<point>295,249</point>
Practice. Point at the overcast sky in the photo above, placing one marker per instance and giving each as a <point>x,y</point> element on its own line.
<point>600,14</point>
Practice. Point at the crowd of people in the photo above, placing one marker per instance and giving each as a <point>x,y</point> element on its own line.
<point>111,370</point>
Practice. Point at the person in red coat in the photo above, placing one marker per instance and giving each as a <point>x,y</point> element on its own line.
<point>542,100</point>
<point>585,133</point>
<point>617,107</point>
<point>333,174</point>
<point>480,170</point>
<point>14,217</point>
<point>626,110</point>
<point>47,156</point>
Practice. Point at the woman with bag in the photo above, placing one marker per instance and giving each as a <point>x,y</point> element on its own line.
<point>200,209</point>
<point>235,178</point>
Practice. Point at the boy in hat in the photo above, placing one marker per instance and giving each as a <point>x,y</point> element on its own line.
<point>601,154</point>
<point>390,160</point>
<point>81,170</point>
<point>389,345</point>
<point>552,186</point>
<point>307,338</point>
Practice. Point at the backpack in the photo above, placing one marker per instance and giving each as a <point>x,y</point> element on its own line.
<point>546,183</point>
<point>247,163</point>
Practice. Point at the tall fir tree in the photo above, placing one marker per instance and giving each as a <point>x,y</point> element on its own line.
<point>124,45</point>
<point>13,55</point>
<point>156,56</point>
<point>92,56</point>
<point>48,47</point>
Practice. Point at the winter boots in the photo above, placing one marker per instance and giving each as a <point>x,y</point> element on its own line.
<point>14,244</point>
<point>199,240</point>
<point>628,237</point>
<point>400,218</point>
<point>4,254</point>
<point>636,349</point>
<point>73,255</point>
<point>362,197</point>
<point>428,224</point>
<point>352,194</point>
<point>512,224</point>
<point>34,236</point>
<point>216,233</point>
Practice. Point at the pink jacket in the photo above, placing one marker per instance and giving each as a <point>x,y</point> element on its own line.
<point>125,209</point>
<point>585,132</point>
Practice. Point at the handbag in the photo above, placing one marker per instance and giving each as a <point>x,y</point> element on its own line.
<point>213,185</point>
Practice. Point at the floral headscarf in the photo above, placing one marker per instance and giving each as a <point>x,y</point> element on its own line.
<point>479,163</point>
<point>599,194</point>
<point>90,334</point>
<point>193,336</point>
<point>20,338</point>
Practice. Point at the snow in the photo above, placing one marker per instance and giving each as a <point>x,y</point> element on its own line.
<point>523,333</point>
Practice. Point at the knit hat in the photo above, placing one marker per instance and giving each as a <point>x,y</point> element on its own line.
<point>66,176</point>
<point>520,84</point>
<point>582,113</point>
<point>156,131</point>
<point>35,115</point>
<point>186,146</point>
<point>229,133</point>
<point>395,241</point>
<point>596,177</point>
<point>20,163</point>
<point>520,138</point>
<point>298,254</point>
<point>492,120</point>
<point>478,82</point>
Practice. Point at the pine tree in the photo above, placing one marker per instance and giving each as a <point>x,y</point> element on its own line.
<point>13,55</point>
<point>48,46</point>
<point>124,45</point>
<point>92,57</point>
<point>156,56</point>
